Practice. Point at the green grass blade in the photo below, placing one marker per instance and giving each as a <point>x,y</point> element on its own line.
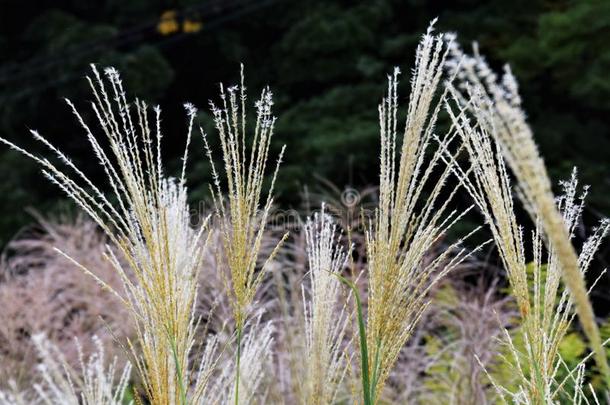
<point>364,353</point>
<point>172,342</point>
<point>238,361</point>
<point>375,378</point>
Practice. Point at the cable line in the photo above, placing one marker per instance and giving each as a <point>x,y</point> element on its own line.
<point>123,38</point>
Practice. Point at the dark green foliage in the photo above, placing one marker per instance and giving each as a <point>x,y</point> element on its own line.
<point>326,62</point>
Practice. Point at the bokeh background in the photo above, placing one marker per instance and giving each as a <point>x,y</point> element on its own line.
<point>326,62</point>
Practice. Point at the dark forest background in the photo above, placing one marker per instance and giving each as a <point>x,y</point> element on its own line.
<point>326,62</point>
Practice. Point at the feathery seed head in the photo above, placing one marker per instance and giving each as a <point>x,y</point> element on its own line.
<point>243,219</point>
<point>499,133</point>
<point>157,252</point>
<point>401,235</point>
<point>325,317</point>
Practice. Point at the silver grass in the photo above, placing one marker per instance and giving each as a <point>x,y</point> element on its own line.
<point>400,234</point>
<point>96,384</point>
<point>242,221</point>
<point>500,96</point>
<point>149,229</point>
<point>324,364</point>
<point>546,312</point>
<point>256,355</point>
<point>42,292</point>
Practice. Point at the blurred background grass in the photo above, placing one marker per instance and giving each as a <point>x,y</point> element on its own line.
<point>326,62</point>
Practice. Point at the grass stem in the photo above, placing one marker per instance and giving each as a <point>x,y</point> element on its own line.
<point>238,362</point>
<point>368,391</point>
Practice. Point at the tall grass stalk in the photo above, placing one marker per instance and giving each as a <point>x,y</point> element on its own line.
<point>149,226</point>
<point>242,221</point>
<point>408,222</point>
<point>545,309</point>
<point>516,142</point>
<point>325,317</point>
